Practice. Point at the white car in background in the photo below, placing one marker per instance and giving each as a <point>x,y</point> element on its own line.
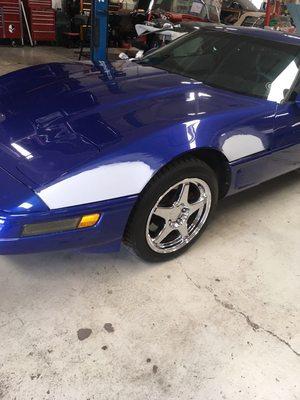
<point>252,19</point>
<point>257,20</point>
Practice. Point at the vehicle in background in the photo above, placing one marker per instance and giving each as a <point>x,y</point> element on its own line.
<point>168,20</point>
<point>252,19</point>
<point>151,37</point>
<point>185,10</point>
<point>139,26</point>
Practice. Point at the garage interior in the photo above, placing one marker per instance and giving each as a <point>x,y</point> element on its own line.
<point>222,321</point>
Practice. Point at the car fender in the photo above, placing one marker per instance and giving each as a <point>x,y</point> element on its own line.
<point>125,171</point>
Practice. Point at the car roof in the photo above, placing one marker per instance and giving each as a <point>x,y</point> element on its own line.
<point>267,34</point>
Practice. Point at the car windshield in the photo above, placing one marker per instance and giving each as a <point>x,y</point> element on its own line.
<point>238,63</point>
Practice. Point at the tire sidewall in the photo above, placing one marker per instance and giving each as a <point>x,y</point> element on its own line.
<point>155,189</point>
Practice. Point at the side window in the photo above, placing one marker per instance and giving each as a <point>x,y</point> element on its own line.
<point>249,21</point>
<point>260,23</point>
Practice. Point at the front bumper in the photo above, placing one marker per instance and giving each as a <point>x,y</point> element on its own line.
<point>106,235</point>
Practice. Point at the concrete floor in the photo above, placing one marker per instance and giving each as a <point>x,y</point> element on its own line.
<point>221,322</point>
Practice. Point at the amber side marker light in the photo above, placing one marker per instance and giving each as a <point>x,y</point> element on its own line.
<point>88,220</point>
<point>62,225</point>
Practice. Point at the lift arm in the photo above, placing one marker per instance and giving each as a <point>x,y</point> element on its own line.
<point>99,30</point>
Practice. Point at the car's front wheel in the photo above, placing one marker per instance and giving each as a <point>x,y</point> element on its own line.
<point>173,210</point>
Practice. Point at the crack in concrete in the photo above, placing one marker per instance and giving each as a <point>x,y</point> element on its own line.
<point>190,279</point>
<point>231,307</point>
<point>282,341</point>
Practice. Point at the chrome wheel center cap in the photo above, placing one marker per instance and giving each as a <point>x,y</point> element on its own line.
<point>182,217</point>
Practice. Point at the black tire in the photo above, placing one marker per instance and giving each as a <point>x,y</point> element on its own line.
<point>135,232</point>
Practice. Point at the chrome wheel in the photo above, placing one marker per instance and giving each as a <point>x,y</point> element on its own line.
<point>178,215</point>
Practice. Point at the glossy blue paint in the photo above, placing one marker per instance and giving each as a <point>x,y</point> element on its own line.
<point>59,121</point>
<point>15,197</point>
<point>107,233</point>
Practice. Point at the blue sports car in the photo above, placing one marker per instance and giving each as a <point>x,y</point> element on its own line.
<point>141,152</point>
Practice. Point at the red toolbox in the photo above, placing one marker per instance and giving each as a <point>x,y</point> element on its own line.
<point>10,20</point>
<point>42,24</point>
<point>1,23</point>
<point>41,19</point>
<point>39,4</point>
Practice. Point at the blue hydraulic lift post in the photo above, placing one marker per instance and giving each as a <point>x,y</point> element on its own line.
<point>99,39</point>
<point>99,30</point>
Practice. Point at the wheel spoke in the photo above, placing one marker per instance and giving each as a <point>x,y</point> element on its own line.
<point>198,205</point>
<point>163,234</point>
<point>183,230</point>
<point>184,194</point>
<point>164,212</point>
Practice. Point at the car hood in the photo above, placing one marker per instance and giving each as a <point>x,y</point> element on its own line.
<point>55,117</point>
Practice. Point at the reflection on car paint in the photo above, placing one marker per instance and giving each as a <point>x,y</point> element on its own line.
<point>97,184</point>
<point>238,146</point>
